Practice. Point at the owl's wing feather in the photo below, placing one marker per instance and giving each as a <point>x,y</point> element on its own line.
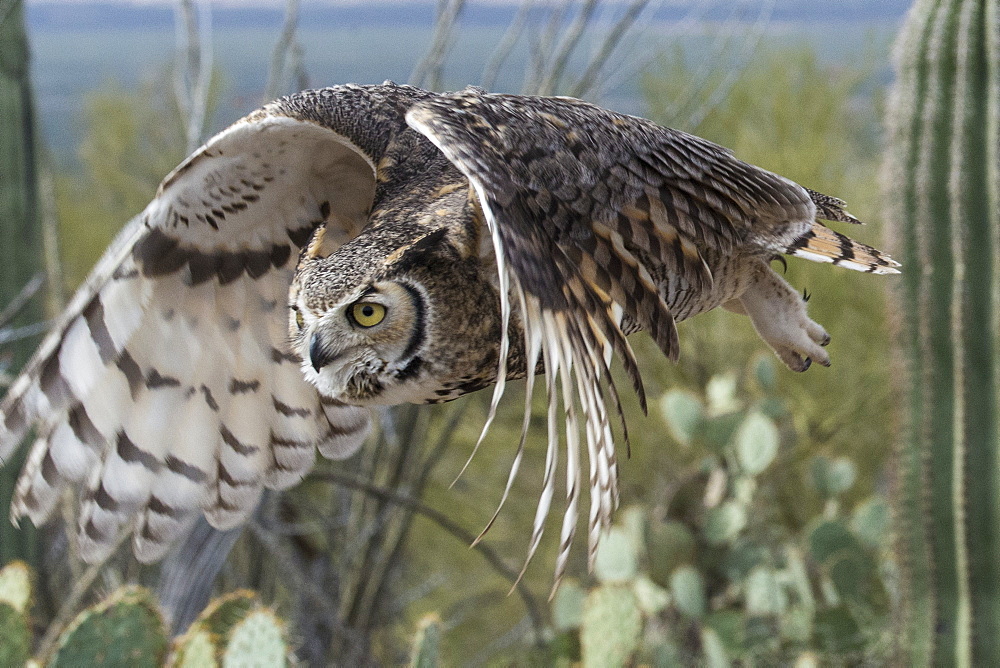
<point>168,387</point>
<point>584,205</point>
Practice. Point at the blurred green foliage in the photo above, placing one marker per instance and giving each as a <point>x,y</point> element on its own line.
<point>133,139</point>
<point>713,574</point>
<point>759,534</point>
<point>713,579</point>
<point>818,125</point>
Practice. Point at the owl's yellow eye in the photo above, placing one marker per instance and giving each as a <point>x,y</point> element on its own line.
<point>300,321</point>
<point>367,314</point>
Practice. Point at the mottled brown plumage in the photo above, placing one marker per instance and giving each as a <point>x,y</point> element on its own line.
<point>364,245</point>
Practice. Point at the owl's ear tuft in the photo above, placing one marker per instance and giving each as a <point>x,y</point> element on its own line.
<point>315,249</point>
<point>417,252</point>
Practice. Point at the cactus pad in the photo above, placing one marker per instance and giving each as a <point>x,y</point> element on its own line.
<point>257,640</point>
<point>15,636</point>
<point>195,649</point>
<point>611,626</point>
<point>126,629</point>
<point>219,617</point>
<point>427,643</point>
<point>15,586</point>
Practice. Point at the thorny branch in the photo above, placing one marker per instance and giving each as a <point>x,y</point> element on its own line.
<point>541,49</point>
<point>625,68</point>
<point>14,307</point>
<point>506,44</point>
<point>21,300</point>
<point>287,47</point>
<point>567,45</point>
<point>428,72</point>
<point>589,78</point>
<point>21,333</point>
<point>750,43</point>
<point>193,67</point>
<point>442,520</point>
<point>301,581</point>
<point>55,294</point>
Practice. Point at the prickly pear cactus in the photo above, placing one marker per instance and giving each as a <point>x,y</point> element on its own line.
<point>195,649</point>
<point>15,586</point>
<point>15,602</point>
<point>257,640</point>
<point>717,581</point>
<point>226,611</point>
<point>427,643</point>
<point>610,627</point>
<point>234,630</point>
<point>126,629</point>
<point>942,179</point>
<point>15,636</point>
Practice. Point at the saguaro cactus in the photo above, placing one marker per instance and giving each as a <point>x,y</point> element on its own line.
<point>20,250</point>
<point>20,253</point>
<point>943,178</point>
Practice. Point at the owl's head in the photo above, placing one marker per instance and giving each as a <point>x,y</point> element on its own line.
<point>417,323</point>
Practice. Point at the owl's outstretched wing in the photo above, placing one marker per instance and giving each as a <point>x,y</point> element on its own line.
<point>168,386</point>
<point>585,207</point>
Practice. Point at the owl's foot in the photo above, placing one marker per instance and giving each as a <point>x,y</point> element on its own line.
<point>779,315</point>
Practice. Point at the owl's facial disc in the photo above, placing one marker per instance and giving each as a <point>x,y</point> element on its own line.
<point>363,346</point>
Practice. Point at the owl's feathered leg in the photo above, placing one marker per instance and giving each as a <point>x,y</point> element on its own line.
<point>778,313</point>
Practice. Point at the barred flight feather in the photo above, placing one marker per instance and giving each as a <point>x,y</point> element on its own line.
<point>146,403</point>
<point>821,244</point>
<point>504,277</point>
<point>533,339</point>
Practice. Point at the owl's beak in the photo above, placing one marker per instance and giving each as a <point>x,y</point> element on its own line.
<point>319,354</point>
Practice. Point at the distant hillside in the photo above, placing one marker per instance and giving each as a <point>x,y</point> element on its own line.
<point>81,15</point>
<point>80,46</point>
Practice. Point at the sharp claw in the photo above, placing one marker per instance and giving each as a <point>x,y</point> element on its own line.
<point>806,363</point>
<point>825,341</point>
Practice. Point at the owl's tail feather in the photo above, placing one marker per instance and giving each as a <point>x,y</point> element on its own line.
<point>821,244</point>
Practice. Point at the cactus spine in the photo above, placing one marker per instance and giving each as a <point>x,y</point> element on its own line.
<point>942,177</point>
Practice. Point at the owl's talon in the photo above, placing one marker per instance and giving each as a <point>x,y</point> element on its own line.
<point>794,361</point>
<point>779,315</point>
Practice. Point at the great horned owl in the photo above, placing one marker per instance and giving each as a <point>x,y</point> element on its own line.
<point>364,245</point>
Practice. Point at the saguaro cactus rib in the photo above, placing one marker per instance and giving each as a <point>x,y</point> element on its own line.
<point>942,177</point>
